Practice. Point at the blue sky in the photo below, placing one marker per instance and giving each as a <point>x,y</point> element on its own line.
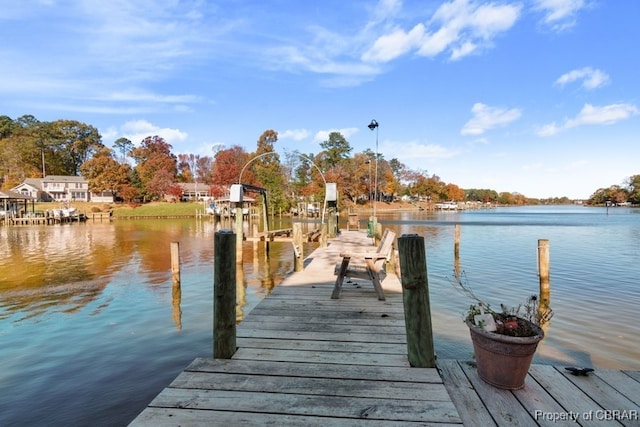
<point>539,97</point>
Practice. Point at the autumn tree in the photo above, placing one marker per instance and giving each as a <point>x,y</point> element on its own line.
<point>105,173</point>
<point>11,164</point>
<point>22,150</point>
<point>187,167</point>
<point>226,168</point>
<point>155,166</point>
<point>398,170</point>
<point>454,192</point>
<point>430,187</point>
<point>162,183</point>
<point>204,169</point>
<point>633,188</point>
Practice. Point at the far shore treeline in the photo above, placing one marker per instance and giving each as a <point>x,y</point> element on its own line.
<point>149,170</point>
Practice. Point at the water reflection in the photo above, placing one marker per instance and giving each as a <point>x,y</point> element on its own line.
<point>63,268</point>
<point>93,329</point>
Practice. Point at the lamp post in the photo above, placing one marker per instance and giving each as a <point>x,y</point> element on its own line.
<point>374,125</point>
<point>368,162</point>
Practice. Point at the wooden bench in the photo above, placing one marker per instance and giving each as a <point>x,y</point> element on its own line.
<point>368,265</point>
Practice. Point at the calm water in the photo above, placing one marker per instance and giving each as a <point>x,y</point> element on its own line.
<point>90,331</point>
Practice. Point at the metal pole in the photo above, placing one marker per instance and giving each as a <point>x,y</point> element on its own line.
<point>374,125</point>
<point>369,195</point>
<point>375,179</point>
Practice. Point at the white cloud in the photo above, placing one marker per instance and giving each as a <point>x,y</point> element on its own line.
<point>323,135</point>
<point>593,115</point>
<point>460,26</point>
<point>394,44</point>
<point>548,130</point>
<point>415,153</point>
<point>295,134</point>
<point>137,130</point>
<point>464,26</point>
<point>591,78</point>
<point>486,117</point>
<point>606,115</point>
<point>559,14</point>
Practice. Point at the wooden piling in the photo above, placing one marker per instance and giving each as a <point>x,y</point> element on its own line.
<point>543,272</point>
<point>415,296</point>
<point>298,257</point>
<point>176,290</point>
<point>239,233</point>
<point>224,295</point>
<point>175,263</point>
<point>456,251</point>
<point>323,235</point>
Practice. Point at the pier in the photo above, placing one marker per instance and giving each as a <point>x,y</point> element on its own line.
<point>303,358</point>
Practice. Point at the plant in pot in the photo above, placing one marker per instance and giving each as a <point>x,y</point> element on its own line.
<point>504,341</point>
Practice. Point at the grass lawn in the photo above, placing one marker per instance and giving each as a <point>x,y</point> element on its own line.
<point>158,209</point>
<point>124,210</point>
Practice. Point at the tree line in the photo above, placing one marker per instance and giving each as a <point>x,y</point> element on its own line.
<point>150,170</point>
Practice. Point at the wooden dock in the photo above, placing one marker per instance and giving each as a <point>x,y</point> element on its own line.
<point>305,359</point>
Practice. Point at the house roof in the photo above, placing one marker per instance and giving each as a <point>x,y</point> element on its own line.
<point>34,182</point>
<point>62,178</point>
<point>191,186</point>
<point>13,195</point>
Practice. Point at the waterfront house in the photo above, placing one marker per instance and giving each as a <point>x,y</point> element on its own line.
<point>61,188</point>
<point>195,191</point>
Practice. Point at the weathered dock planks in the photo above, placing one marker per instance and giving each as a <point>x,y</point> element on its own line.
<point>305,359</point>
<point>551,397</point>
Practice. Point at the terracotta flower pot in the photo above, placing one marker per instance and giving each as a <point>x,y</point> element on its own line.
<point>503,361</point>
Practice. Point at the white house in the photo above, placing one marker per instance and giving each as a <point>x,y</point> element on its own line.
<point>60,188</point>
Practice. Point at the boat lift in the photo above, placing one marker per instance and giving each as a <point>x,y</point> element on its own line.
<point>235,196</point>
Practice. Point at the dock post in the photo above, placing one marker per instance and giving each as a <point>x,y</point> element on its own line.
<point>415,296</point>
<point>239,233</point>
<point>543,272</point>
<point>456,251</point>
<point>378,233</point>
<point>224,295</point>
<point>298,255</point>
<point>323,235</point>
<point>176,290</point>
<point>175,263</point>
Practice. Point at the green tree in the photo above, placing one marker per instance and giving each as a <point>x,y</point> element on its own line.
<point>124,147</point>
<point>336,150</point>
<point>481,195</point>
<point>268,170</point>
<point>73,143</point>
